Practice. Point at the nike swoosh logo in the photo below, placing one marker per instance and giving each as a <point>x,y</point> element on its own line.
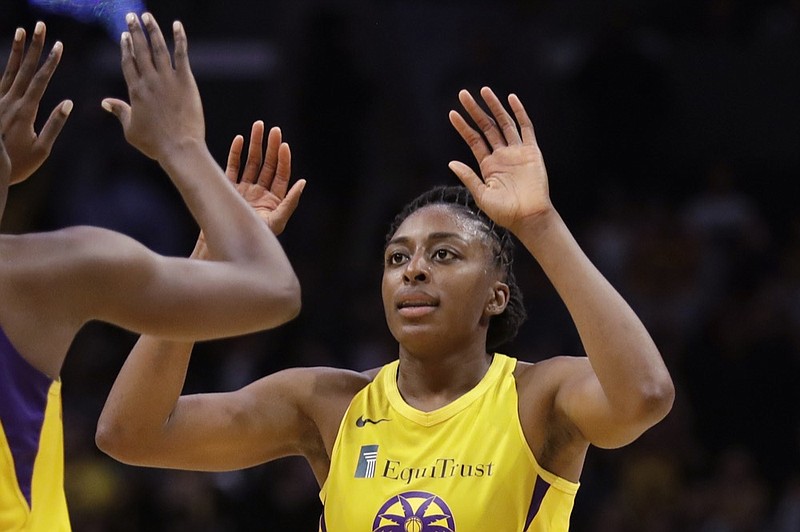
<point>361,421</point>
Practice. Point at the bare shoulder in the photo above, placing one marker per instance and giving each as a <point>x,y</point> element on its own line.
<point>88,241</point>
<point>41,312</point>
<point>328,383</point>
<point>34,264</point>
<point>550,373</point>
<point>53,263</point>
<point>320,395</point>
<point>33,250</point>
<point>69,235</point>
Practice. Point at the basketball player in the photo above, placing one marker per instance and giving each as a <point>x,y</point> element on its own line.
<point>51,284</point>
<point>452,435</point>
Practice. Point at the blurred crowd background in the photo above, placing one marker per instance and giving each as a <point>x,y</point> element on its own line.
<point>671,133</point>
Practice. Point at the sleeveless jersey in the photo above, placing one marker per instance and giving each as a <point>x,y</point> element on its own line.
<point>465,467</point>
<point>31,447</point>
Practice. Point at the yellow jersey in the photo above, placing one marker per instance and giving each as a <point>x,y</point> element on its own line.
<point>31,447</point>
<point>465,467</point>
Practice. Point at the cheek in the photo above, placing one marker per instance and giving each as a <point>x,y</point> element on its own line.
<point>386,290</point>
<point>469,298</point>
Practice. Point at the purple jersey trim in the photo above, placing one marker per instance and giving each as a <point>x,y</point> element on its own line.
<point>23,399</point>
<point>539,491</point>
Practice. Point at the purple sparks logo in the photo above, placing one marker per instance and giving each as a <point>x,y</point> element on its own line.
<point>414,511</point>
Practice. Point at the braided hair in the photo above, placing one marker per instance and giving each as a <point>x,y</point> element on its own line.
<point>502,327</point>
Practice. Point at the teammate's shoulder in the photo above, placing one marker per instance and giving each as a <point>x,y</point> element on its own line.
<point>88,235</point>
<point>68,239</point>
<point>66,233</point>
<point>42,248</point>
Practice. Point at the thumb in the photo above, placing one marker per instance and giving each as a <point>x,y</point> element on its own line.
<point>119,109</point>
<point>54,125</point>
<point>286,208</point>
<point>467,176</point>
<point>292,199</point>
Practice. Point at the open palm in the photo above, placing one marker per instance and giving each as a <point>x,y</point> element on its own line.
<point>514,183</point>
<point>264,182</point>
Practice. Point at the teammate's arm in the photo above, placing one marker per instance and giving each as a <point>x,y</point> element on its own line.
<point>58,281</point>
<point>250,284</point>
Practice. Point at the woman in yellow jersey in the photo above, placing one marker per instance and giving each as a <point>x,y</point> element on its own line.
<point>451,436</point>
<point>53,283</point>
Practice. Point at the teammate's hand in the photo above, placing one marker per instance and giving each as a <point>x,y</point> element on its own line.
<point>21,89</point>
<point>165,111</point>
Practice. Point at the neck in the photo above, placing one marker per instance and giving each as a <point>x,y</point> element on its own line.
<point>428,384</point>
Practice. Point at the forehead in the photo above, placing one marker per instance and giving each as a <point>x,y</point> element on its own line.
<point>441,218</point>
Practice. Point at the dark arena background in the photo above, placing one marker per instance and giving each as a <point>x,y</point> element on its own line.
<point>671,130</point>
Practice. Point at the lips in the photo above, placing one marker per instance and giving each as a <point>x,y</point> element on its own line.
<point>416,305</point>
<point>417,302</point>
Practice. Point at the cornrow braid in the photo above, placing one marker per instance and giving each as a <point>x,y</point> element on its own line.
<point>503,327</point>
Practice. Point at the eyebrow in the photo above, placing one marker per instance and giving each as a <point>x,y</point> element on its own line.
<point>442,235</point>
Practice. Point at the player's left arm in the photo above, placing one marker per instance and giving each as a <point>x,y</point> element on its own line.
<point>625,387</point>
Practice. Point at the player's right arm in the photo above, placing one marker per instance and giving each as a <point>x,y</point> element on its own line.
<point>146,422</point>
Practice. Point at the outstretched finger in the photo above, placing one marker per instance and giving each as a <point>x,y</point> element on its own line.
<point>181,49</point>
<point>475,141</point>
<point>234,159</point>
<point>53,126</point>
<point>283,171</point>
<point>501,116</point>
<point>158,46</point>
<point>254,157</point>
<point>30,61</point>
<point>45,73</point>
<point>485,122</point>
<point>14,61</point>
<point>271,158</point>
<point>142,57</point>
<point>129,69</point>
<point>524,121</point>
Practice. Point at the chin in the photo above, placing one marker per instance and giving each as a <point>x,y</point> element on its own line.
<point>422,340</point>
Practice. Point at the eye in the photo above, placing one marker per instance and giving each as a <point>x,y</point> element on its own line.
<point>443,254</point>
<point>394,258</point>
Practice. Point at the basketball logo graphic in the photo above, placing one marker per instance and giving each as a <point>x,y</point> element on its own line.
<point>414,511</point>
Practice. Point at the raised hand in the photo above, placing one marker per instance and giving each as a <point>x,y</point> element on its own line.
<point>165,110</point>
<point>21,89</point>
<point>514,185</point>
<point>264,182</point>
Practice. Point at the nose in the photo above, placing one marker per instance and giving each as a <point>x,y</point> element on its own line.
<point>416,270</point>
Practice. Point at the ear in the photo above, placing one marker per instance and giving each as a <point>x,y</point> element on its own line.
<point>498,299</point>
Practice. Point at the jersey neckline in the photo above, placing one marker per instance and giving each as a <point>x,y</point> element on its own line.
<point>387,379</point>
